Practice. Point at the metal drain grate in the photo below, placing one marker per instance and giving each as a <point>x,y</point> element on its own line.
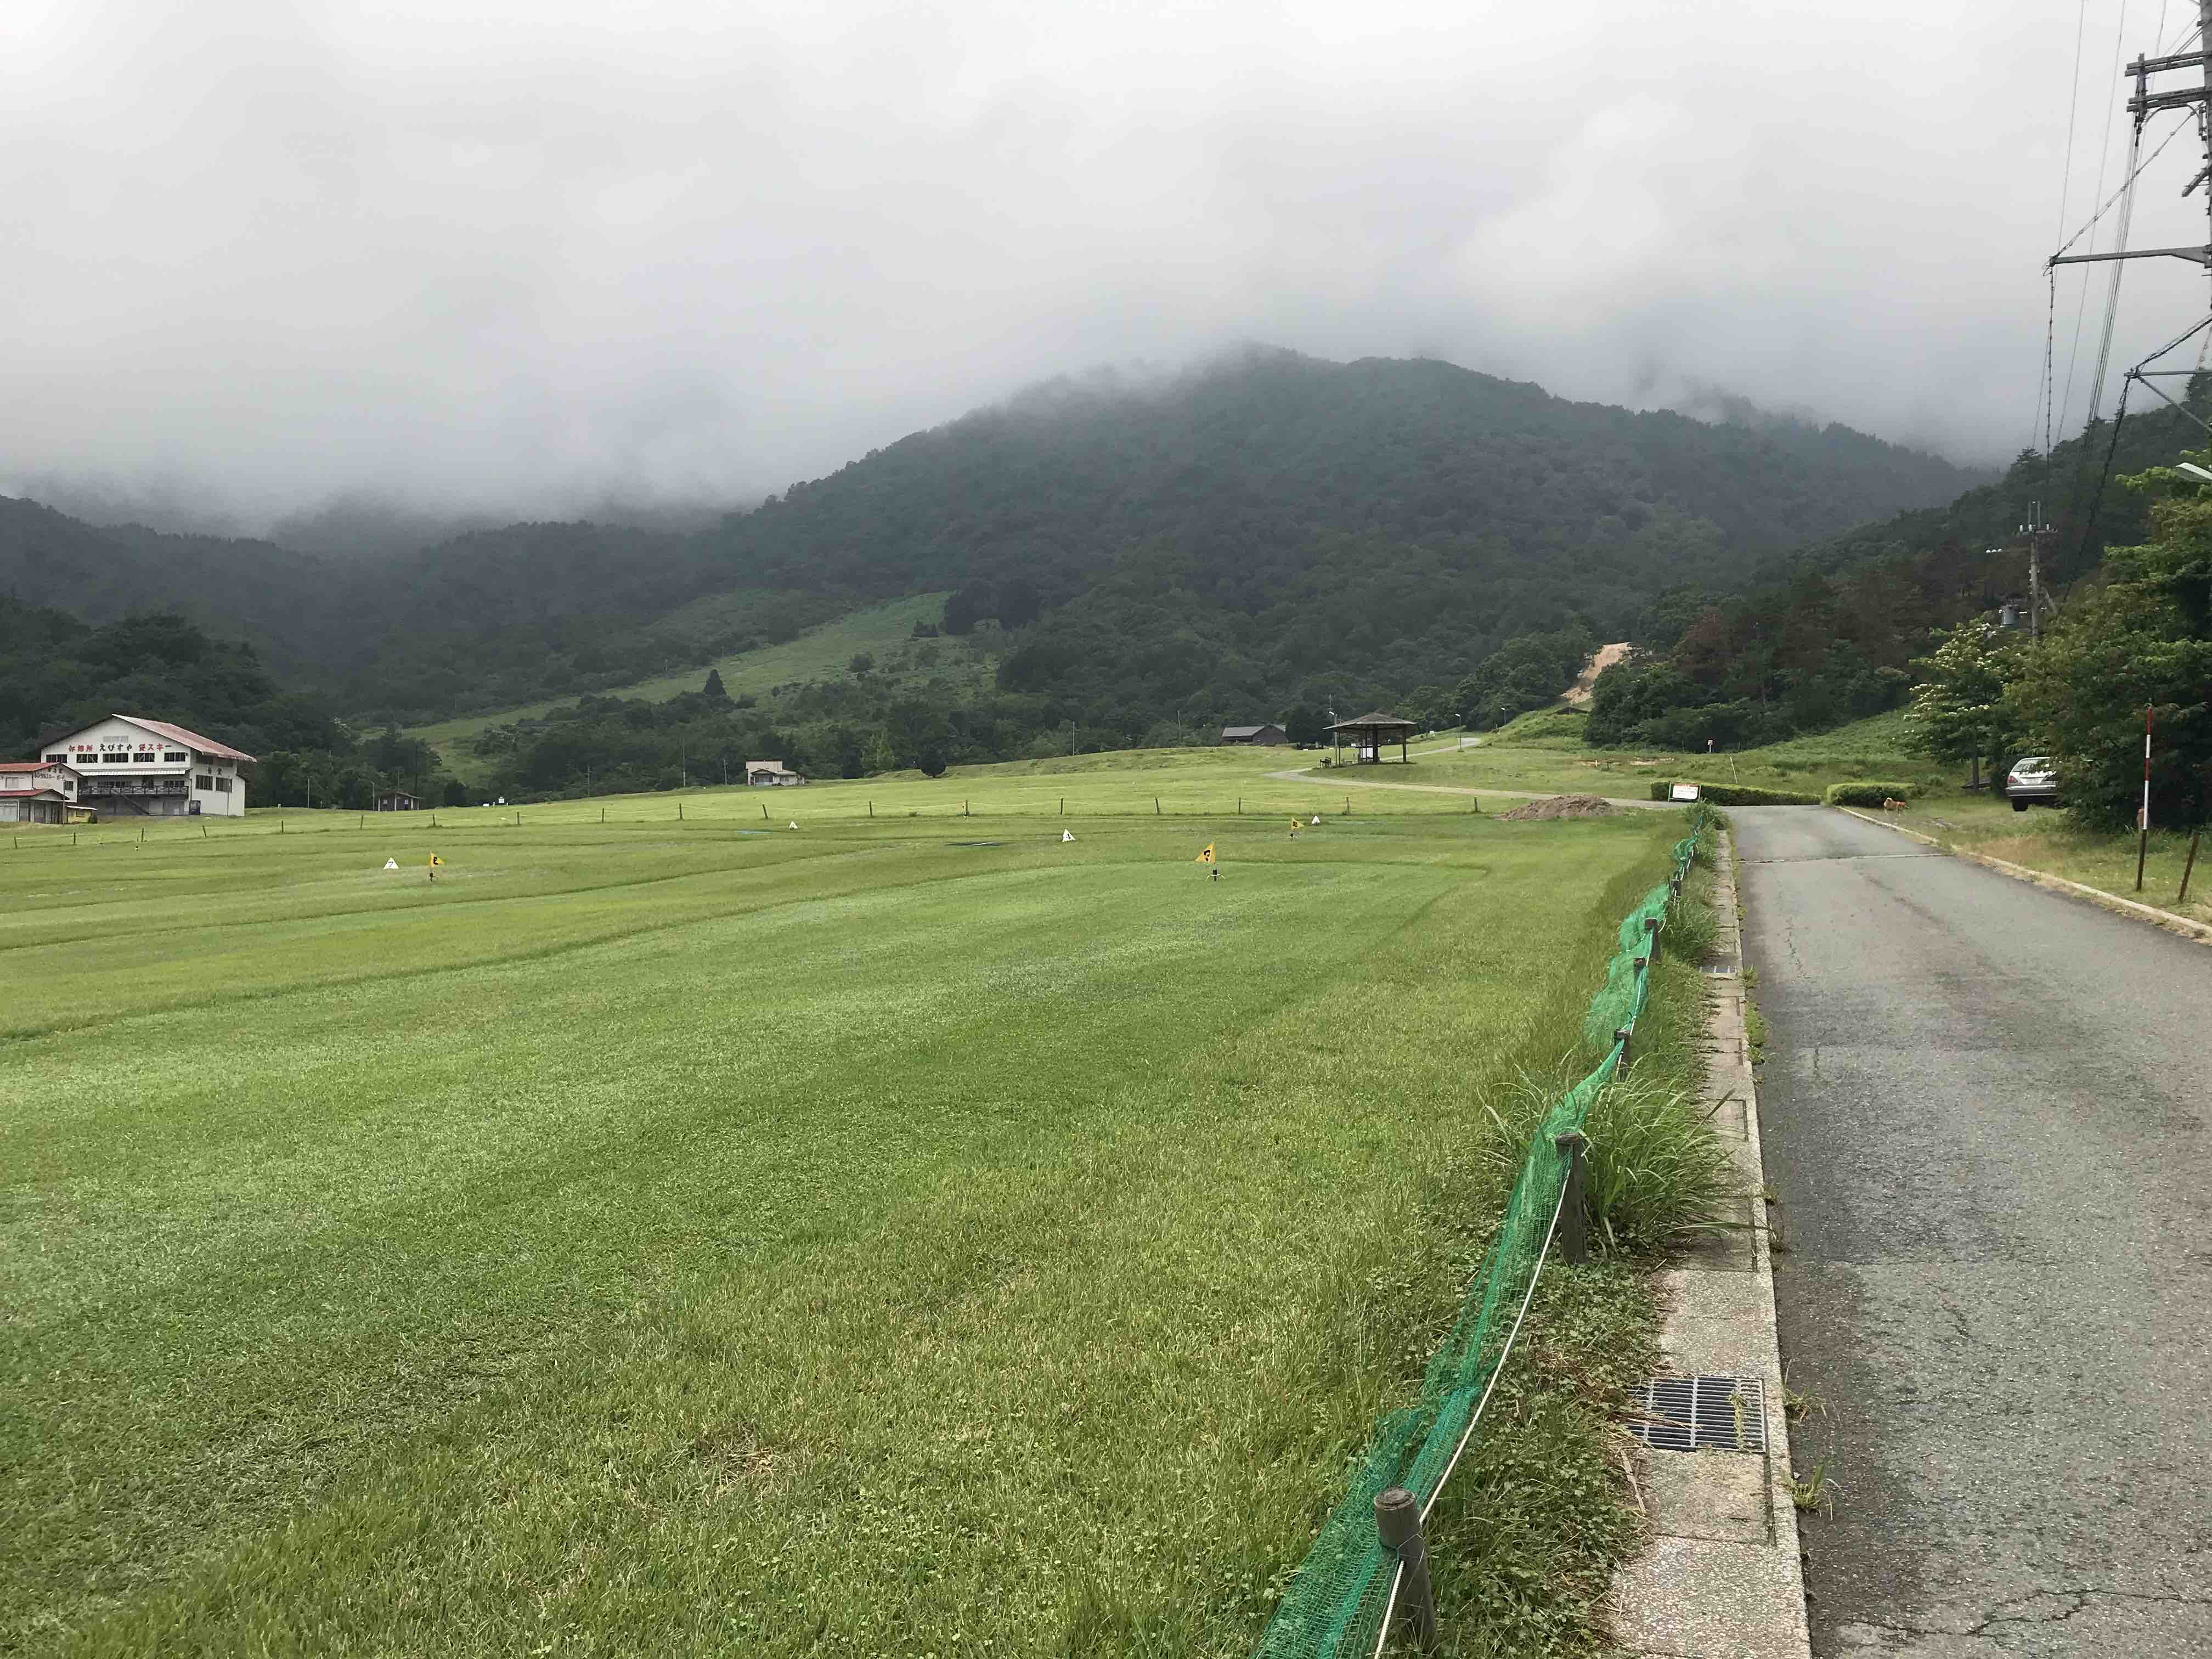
<point>1700,1413</point>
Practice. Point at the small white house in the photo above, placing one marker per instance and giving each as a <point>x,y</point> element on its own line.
<point>128,766</point>
<point>36,791</point>
<point>771,773</point>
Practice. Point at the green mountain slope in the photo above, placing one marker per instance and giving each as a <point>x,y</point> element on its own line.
<point>1268,530</point>
<point>1275,517</point>
<point>1830,635</point>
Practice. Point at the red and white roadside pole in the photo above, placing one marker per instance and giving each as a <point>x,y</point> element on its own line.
<point>2143,818</point>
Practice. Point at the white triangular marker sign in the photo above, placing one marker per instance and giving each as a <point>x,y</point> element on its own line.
<point>1067,834</point>
<point>391,864</point>
<point>1317,817</point>
<point>795,823</point>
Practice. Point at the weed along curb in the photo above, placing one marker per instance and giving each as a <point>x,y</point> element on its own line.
<point>2150,912</point>
<point>1721,1577</point>
<point>1368,1575</point>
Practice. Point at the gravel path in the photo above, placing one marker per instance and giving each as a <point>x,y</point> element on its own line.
<point>1334,777</point>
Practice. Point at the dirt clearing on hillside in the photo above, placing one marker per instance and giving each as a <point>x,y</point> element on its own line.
<point>1601,659</point>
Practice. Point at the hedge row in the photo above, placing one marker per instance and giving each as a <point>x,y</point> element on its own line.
<point>1862,793</point>
<point>1738,795</point>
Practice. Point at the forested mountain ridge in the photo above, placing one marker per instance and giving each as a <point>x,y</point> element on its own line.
<point>1055,484</point>
<point>1832,634</point>
<point>1267,530</point>
<point>488,616</point>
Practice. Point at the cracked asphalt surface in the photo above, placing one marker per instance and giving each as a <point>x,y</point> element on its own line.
<point>1985,1115</point>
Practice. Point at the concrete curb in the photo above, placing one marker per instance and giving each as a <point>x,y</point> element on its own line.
<point>2150,912</point>
<point>1721,1577</point>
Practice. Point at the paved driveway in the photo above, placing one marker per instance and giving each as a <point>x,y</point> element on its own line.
<point>1985,1109</point>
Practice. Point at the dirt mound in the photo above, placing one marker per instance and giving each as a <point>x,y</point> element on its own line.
<point>1562,806</point>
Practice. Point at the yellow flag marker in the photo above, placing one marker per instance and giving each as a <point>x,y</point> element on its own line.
<point>435,860</point>
<point>1206,856</point>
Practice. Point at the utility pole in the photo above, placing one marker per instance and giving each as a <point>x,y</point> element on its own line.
<point>2035,528</point>
<point>2147,103</point>
<point>2195,95</point>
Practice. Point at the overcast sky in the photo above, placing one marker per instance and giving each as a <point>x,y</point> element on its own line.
<point>516,255</point>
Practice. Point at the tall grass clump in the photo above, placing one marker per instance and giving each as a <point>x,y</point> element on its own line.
<point>1654,1174</point>
<point>1692,928</point>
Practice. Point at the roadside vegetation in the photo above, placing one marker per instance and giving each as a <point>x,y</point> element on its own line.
<point>672,1234</point>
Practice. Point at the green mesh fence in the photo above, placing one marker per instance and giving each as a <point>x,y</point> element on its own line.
<point>1335,1604</point>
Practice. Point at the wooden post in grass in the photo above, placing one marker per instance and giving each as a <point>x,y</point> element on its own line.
<point>2190,864</point>
<point>1397,1524</point>
<point>1156,806</point>
<point>963,806</point>
<point>602,815</point>
<point>1620,1035</point>
<point>764,811</point>
<point>871,809</point>
<point>1063,806</point>
<point>1347,807</point>
<point>1574,1242</point>
<point>679,811</point>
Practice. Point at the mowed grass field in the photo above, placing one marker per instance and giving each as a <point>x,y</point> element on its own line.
<point>915,1234</point>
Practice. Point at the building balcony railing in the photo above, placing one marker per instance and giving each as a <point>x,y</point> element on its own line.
<point>91,787</point>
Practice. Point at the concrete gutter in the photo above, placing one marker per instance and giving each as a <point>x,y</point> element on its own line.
<point>1721,1577</point>
<point>2150,912</point>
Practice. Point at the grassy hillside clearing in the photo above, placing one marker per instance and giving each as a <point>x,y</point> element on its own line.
<point>883,631</point>
<point>920,1236</point>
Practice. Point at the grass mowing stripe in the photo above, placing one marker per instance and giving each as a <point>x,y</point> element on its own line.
<point>972,1265</point>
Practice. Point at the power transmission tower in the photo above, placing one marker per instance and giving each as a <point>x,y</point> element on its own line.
<point>2197,97</point>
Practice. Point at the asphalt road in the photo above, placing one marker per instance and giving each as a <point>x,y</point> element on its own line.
<point>1985,1112</point>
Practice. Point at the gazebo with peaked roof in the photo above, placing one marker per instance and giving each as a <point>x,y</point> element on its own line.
<point>1369,732</point>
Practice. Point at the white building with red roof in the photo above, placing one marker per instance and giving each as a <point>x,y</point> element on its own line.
<point>130,767</point>
<point>36,791</point>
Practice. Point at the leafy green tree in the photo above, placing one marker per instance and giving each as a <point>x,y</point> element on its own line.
<point>2144,639</point>
<point>1019,602</point>
<point>1959,711</point>
<point>714,687</point>
<point>1526,672</point>
<point>920,737</point>
<point>355,789</point>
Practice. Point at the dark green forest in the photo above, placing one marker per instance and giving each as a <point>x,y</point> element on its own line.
<point>1832,634</point>
<point>1271,528</point>
<point>56,671</point>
